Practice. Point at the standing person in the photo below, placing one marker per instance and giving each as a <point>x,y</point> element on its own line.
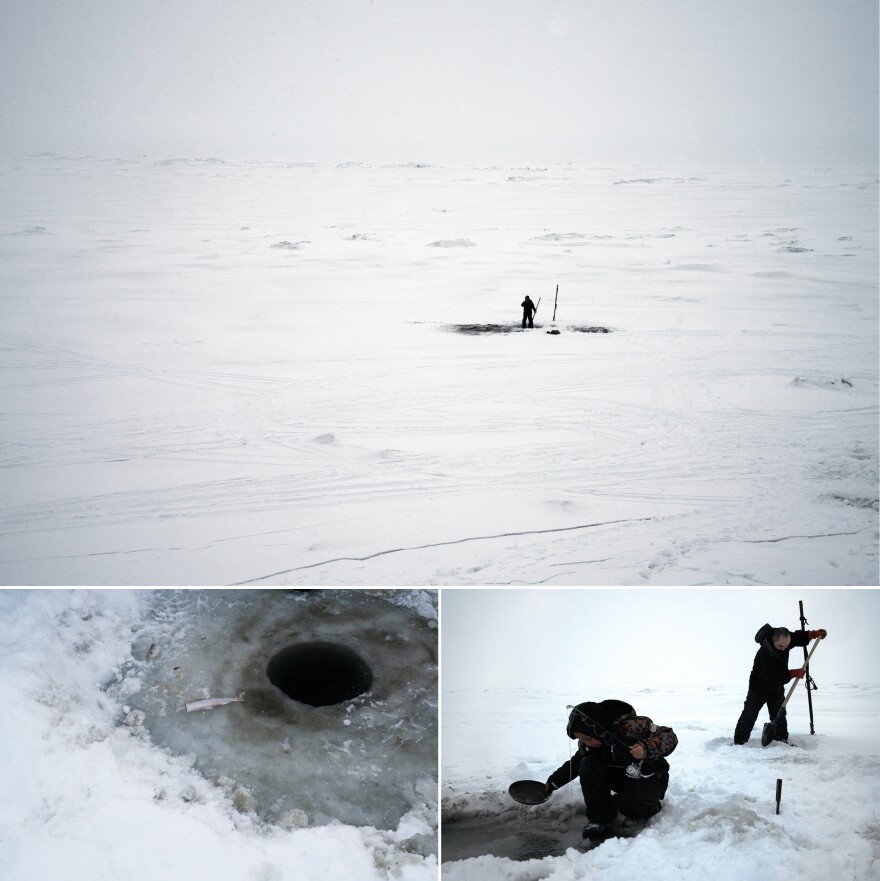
<point>529,309</point>
<point>770,673</point>
<point>620,753</point>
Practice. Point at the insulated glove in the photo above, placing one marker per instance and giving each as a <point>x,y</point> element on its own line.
<point>817,634</point>
<point>797,674</point>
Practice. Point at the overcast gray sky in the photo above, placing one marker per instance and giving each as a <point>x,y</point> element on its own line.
<point>567,639</point>
<point>479,80</point>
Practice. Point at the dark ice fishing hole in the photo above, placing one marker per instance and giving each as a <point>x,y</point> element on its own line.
<point>319,674</point>
<point>481,329</point>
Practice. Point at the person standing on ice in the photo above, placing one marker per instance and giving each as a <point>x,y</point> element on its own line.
<point>620,761</point>
<point>770,673</point>
<point>529,309</point>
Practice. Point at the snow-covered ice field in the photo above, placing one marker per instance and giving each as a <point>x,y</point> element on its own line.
<point>218,373</point>
<point>101,783</point>
<point>719,817</point>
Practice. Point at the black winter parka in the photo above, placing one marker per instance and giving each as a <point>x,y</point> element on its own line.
<point>770,669</point>
<point>658,741</point>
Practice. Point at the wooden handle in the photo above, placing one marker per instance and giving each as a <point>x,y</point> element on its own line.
<point>794,684</point>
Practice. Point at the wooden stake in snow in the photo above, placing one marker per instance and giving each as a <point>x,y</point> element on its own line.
<point>555,301</point>
<point>778,792</point>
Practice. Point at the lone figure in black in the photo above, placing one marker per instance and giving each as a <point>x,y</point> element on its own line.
<point>528,308</point>
<point>620,753</point>
<point>770,673</point>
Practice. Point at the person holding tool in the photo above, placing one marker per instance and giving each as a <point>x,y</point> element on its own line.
<point>770,673</point>
<point>529,310</point>
<point>620,761</point>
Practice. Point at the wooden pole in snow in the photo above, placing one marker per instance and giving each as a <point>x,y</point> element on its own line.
<point>555,301</point>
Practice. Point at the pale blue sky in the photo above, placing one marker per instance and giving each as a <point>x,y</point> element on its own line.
<point>474,80</point>
<point>561,639</point>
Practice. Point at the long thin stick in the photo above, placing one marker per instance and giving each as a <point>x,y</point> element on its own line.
<point>807,674</point>
<point>778,792</point>
<point>555,301</point>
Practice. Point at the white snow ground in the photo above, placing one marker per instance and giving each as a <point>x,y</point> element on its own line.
<point>718,819</point>
<point>225,373</point>
<point>88,798</point>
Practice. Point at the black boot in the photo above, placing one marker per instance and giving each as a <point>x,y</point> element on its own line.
<point>597,830</point>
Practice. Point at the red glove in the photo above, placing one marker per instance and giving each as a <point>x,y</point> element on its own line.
<point>797,674</point>
<point>817,634</point>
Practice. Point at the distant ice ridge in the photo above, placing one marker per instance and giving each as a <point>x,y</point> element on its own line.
<point>655,180</point>
<point>453,243</point>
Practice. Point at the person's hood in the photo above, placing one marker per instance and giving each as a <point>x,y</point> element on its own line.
<point>596,719</point>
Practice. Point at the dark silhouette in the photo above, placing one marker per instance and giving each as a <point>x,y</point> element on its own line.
<point>528,308</point>
<point>770,673</point>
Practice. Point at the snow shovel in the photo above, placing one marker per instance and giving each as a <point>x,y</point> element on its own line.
<point>529,792</point>
<point>768,735</point>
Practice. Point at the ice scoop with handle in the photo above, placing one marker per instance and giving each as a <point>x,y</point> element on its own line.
<point>769,732</point>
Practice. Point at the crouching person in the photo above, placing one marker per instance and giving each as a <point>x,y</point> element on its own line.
<point>620,761</point>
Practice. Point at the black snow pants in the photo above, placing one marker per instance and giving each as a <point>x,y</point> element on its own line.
<point>635,798</point>
<point>527,316</point>
<point>758,695</point>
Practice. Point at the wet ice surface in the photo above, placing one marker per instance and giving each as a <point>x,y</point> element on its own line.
<point>518,834</point>
<point>365,761</point>
<point>522,833</point>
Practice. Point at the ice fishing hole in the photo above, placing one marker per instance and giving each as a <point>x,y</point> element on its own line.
<point>319,673</point>
<point>481,329</point>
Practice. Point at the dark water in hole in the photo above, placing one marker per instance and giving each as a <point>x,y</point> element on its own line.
<point>512,835</point>
<point>528,833</point>
<point>480,329</point>
<point>474,329</point>
<point>320,674</point>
